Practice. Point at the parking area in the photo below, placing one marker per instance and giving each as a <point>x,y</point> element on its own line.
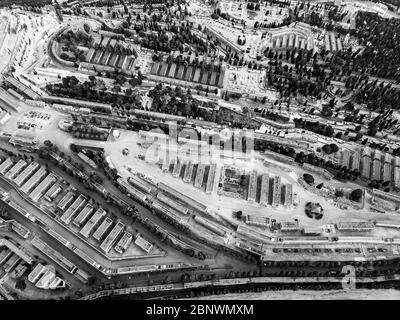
<point>33,120</point>
<point>37,115</point>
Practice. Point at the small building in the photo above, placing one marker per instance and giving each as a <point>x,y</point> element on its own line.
<point>43,186</point>
<point>172,203</point>
<point>124,242</point>
<point>143,243</point>
<point>288,195</point>
<point>24,140</point>
<point>360,226</point>
<point>312,231</point>
<point>289,226</point>
<point>211,178</point>
<point>6,165</point>
<point>83,215</point>
<point>66,200</point>
<point>86,159</point>
<point>103,229</point>
<point>198,182</point>
<point>92,223</point>
<point>264,192</point>
<point>46,279</point>
<point>4,116</point>
<point>22,87</point>
<point>26,173</point>
<point>16,169</point>
<point>261,221</point>
<point>276,191</point>
<point>53,192</point>
<point>20,229</point>
<point>36,273</point>
<point>112,237</point>
<point>75,207</point>
<point>252,188</point>
<point>34,180</point>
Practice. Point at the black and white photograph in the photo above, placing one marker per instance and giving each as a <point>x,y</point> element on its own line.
<point>199,158</point>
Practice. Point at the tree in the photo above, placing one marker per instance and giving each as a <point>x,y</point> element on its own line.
<point>356,195</point>
<point>116,89</point>
<point>339,193</point>
<point>326,111</point>
<point>20,285</point>
<point>48,143</point>
<point>358,136</point>
<point>334,147</point>
<point>308,178</point>
<point>329,132</point>
<point>128,92</point>
<point>372,131</point>
<point>120,79</point>
<point>327,149</point>
<point>91,280</point>
<point>264,100</point>
<point>86,27</point>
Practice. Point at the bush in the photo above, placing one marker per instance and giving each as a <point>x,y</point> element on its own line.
<point>356,195</point>
<point>308,178</point>
<point>20,285</point>
<point>330,148</point>
<point>339,193</point>
<point>64,56</point>
<point>86,27</point>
